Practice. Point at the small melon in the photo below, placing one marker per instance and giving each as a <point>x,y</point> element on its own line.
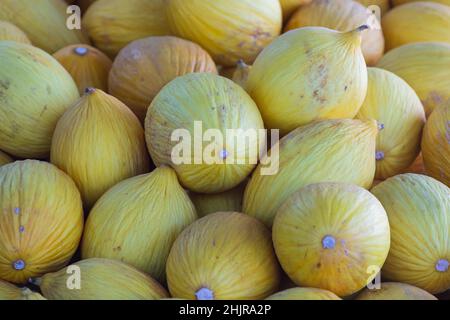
<point>395,291</point>
<point>9,31</point>
<point>304,294</point>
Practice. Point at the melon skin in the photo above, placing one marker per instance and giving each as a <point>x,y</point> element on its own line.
<point>4,158</point>
<point>304,294</point>
<point>100,279</point>
<point>35,91</point>
<point>418,208</point>
<point>229,256</point>
<point>11,32</point>
<point>9,291</point>
<point>329,236</point>
<point>42,219</point>
<point>395,291</point>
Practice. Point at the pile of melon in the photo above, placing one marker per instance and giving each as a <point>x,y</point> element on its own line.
<point>120,179</point>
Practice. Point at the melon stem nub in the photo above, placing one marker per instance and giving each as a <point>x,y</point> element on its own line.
<point>89,90</point>
<point>442,265</point>
<point>379,155</point>
<point>80,51</point>
<point>204,294</point>
<point>362,28</point>
<point>328,242</point>
<point>19,265</point>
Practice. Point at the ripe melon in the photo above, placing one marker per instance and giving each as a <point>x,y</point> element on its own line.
<point>145,66</point>
<point>11,32</point>
<point>225,255</point>
<point>208,129</point>
<point>11,292</point>
<point>395,291</point>
<point>329,236</point>
<point>137,221</point>
<point>418,208</point>
<point>35,90</point>
<point>88,66</point>
<point>99,142</point>
<point>289,6</point>
<point>304,294</point>
<point>329,150</point>
<point>42,219</point>
<point>100,279</point>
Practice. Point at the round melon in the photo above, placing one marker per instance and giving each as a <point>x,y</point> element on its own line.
<point>228,29</point>
<point>10,32</point>
<point>342,15</point>
<point>309,74</point>
<point>138,220</point>
<point>329,150</point>
<point>436,144</point>
<point>304,294</point>
<point>400,117</point>
<point>228,255</point>
<point>208,129</point>
<point>99,142</point>
<point>395,291</point>
<point>289,6</point>
<point>145,66</point>
<point>11,292</point>
<point>230,200</point>
<point>418,208</point>
<point>43,21</point>
<point>416,22</point>
<point>35,90</point>
<point>425,67</point>
<point>112,24</point>
<point>329,235</point>
<point>417,166</point>
<point>42,219</point>
<point>88,66</point>
<point>100,279</point>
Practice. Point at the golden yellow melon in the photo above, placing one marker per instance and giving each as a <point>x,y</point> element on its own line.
<point>240,74</point>
<point>304,294</point>
<point>100,279</point>
<point>4,158</point>
<point>35,90</point>
<point>10,32</point>
<point>342,15</point>
<point>395,291</point>
<point>99,142</point>
<point>112,24</point>
<point>329,235</point>
<point>400,117</point>
<point>42,219</point>
<point>11,292</point>
<point>208,129</point>
<point>418,208</point>
<point>425,67</point>
<point>329,150</point>
<point>416,22</point>
<point>44,22</point>
<point>137,221</point>
<point>417,166</point>
<point>400,2</point>
<point>230,200</point>
<point>384,5</point>
<point>88,66</point>
<point>223,256</point>
<point>228,29</point>
<point>145,66</point>
<point>436,144</point>
<point>309,74</point>
<point>289,6</point>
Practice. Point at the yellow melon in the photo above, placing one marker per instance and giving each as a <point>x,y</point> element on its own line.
<point>400,2</point>
<point>342,15</point>
<point>208,129</point>
<point>228,255</point>
<point>436,144</point>
<point>309,74</point>
<point>425,67</point>
<point>11,292</point>
<point>100,279</point>
<point>418,208</point>
<point>10,32</point>
<point>99,142</point>
<point>400,116</point>
<point>395,291</point>
<point>289,6</point>
<point>416,22</point>
<point>329,235</point>
<point>138,220</point>
<point>304,294</point>
<point>145,66</point>
<point>384,5</point>
<point>228,29</point>
<point>42,219</point>
<point>88,66</point>
<point>329,150</point>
